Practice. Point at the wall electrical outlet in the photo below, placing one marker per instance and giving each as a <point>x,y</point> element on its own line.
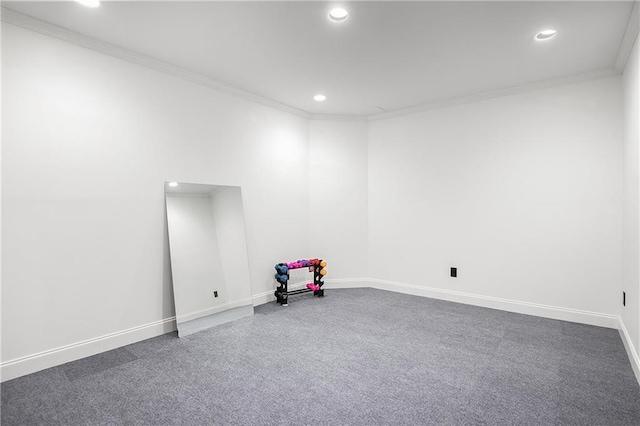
<point>215,294</point>
<point>454,272</point>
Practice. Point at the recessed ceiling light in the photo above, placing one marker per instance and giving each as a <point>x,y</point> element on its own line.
<point>319,98</point>
<point>338,14</point>
<point>89,3</point>
<point>546,35</point>
<point>173,184</point>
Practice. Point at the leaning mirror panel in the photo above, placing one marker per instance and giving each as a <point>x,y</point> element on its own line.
<point>209,262</point>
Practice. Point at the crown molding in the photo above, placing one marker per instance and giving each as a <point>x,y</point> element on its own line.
<point>43,27</point>
<point>629,38</point>
<point>25,21</point>
<point>482,96</point>
<point>337,117</point>
<point>28,364</point>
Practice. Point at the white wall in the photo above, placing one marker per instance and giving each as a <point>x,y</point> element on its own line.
<point>631,211</point>
<point>228,219</point>
<point>1,196</point>
<point>196,263</point>
<point>88,142</point>
<point>338,197</point>
<point>521,193</point>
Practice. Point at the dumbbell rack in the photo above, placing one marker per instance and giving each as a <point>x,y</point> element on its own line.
<point>282,293</point>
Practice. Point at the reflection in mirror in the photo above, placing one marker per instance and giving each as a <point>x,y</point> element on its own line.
<point>208,251</point>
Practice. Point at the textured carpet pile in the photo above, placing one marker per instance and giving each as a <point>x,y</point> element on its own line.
<point>354,357</point>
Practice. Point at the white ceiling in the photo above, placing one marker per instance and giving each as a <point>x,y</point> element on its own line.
<point>385,56</point>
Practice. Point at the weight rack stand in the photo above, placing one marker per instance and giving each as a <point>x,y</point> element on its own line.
<point>282,293</point>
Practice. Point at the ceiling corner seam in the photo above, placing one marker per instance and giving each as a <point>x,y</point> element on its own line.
<point>64,34</point>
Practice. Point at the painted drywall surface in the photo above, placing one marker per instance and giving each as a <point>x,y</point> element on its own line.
<point>631,210</point>
<point>521,193</point>
<point>228,219</point>
<point>1,174</point>
<point>196,262</point>
<point>88,142</point>
<point>104,124</point>
<point>338,196</point>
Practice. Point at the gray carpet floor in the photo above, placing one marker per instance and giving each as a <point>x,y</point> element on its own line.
<point>354,357</point>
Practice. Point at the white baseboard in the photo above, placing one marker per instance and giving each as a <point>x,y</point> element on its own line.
<point>51,358</point>
<point>264,297</point>
<point>545,311</point>
<point>40,361</point>
<point>347,283</point>
<point>30,364</point>
<point>631,351</point>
